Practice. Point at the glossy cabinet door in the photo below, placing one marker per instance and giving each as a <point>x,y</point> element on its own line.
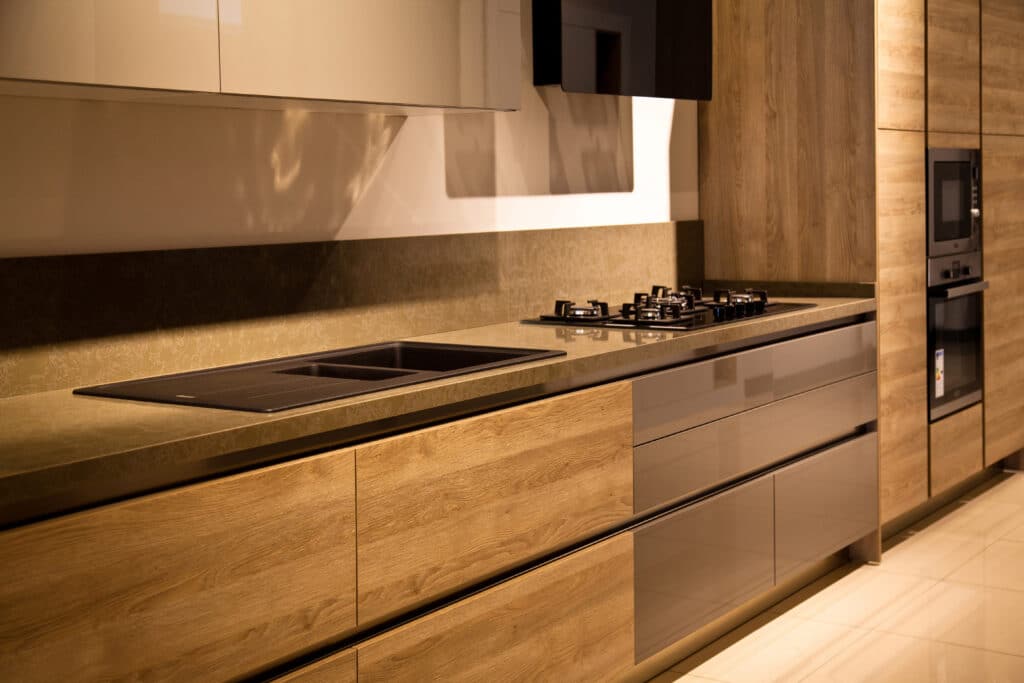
<point>954,64</point>
<point>902,323</point>
<point>1002,67</point>
<point>702,561</point>
<point>1002,179</point>
<point>570,620</point>
<point>444,507</point>
<point>456,53</point>
<point>824,503</point>
<point>214,581</point>
<point>166,44</point>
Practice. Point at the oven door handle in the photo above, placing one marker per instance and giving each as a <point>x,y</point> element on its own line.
<point>964,290</point>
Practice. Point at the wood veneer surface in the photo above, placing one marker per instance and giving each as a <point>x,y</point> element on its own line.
<point>446,506</point>
<point>956,448</point>
<point>901,64</point>
<point>902,323</point>
<point>954,61</point>
<point>787,184</point>
<point>1002,66</point>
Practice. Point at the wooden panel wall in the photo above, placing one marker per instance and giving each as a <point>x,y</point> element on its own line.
<point>902,323</point>
<point>1002,180</point>
<point>900,68</point>
<point>1002,60</point>
<point>787,172</point>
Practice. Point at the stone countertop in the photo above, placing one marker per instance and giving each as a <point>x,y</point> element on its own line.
<point>60,451</point>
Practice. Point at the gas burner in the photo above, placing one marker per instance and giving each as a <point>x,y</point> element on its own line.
<point>746,303</point>
<point>570,311</point>
<point>660,306</point>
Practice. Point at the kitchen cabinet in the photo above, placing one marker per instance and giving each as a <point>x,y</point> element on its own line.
<point>1002,179</point>
<point>447,506</point>
<point>133,43</point>
<point>455,53</point>
<point>954,65</point>
<point>339,667</point>
<point>902,323</point>
<point>702,561</point>
<point>1002,67</point>
<point>570,620</point>
<point>211,581</point>
<point>824,503</point>
<point>900,73</point>
<point>956,448</point>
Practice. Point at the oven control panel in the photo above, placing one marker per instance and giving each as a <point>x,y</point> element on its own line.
<point>944,270</point>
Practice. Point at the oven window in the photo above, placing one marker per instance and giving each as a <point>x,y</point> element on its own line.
<point>956,345</point>
<point>952,200</point>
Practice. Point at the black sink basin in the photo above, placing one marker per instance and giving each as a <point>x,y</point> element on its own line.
<point>269,386</point>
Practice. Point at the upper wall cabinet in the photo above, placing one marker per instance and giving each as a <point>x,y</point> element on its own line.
<point>165,44</point>
<point>954,63</point>
<point>451,53</point>
<point>1002,67</point>
<point>900,64</point>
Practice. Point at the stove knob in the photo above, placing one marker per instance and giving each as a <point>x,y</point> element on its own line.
<point>966,270</point>
<point>947,274</point>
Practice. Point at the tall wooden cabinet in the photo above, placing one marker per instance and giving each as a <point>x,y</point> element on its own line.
<point>954,61</point>
<point>1002,62</point>
<point>1003,206</point>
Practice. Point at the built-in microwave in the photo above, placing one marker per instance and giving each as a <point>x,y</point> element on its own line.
<point>954,202</point>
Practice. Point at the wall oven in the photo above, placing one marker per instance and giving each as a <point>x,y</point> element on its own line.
<point>954,348</point>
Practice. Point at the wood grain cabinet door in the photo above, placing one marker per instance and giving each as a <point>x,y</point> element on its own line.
<point>1002,180</point>
<point>956,448</point>
<point>444,507</point>
<point>1002,67</point>
<point>954,63</point>
<point>208,582</point>
<point>570,620</point>
<point>900,64</point>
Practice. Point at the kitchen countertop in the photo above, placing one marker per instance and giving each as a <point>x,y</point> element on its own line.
<point>60,452</point>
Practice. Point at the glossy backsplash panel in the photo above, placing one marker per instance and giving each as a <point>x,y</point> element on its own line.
<point>78,320</point>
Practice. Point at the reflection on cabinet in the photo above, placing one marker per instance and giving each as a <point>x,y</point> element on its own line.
<point>207,582</point>
<point>954,61</point>
<point>571,619</point>
<point>446,506</point>
<point>701,562</point>
<point>825,503</point>
<point>1002,180</point>
<point>1002,66</point>
<point>459,53</point>
<point>900,64</point>
<point>136,43</point>
<point>956,448</point>
<point>902,323</point>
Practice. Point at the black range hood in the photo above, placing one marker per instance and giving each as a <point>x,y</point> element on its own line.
<point>645,48</point>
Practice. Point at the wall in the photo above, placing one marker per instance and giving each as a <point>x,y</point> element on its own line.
<point>84,176</point>
<point>78,320</point>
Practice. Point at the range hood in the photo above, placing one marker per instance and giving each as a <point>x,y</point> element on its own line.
<point>646,48</point>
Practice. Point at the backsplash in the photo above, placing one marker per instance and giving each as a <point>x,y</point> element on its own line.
<point>78,320</point>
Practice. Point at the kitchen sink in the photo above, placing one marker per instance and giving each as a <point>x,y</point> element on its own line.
<point>282,383</point>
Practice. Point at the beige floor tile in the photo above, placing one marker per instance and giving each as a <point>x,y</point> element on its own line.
<point>890,658</point>
<point>863,599</point>
<point>785,649</point>
<point>978,519</point>
<point>675,677</point>
<point>964,614</point>
<point>931,554</point>
<point>1001,565</point>
<point>1007,487</point>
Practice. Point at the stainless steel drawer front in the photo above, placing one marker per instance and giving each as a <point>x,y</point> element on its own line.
<point>681,398</point>
<point>684,464</point>
<point>824,503</point>
<point>698,563</point>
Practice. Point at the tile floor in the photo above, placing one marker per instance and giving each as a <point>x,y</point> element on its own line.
<point>946,604</point>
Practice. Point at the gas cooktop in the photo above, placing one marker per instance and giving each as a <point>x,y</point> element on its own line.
<point>685,308</point>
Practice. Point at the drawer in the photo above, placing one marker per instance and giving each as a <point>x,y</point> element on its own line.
<point>569,620</point>
<point>825,502</point>
<point>700,562</point>
<point>681,398</point>
<point>448,506</point>
<point>213,581</point>
<point>957,449</point>
<point>692,461</point>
